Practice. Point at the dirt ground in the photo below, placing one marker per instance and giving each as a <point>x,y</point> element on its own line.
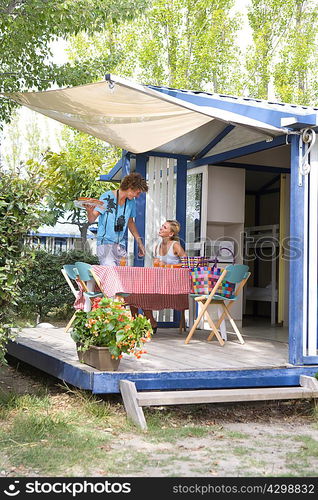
<point>259,439</point>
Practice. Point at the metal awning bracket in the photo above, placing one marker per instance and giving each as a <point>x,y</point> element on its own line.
<point>306,142</point>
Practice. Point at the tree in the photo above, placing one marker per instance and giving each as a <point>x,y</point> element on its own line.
<point>28,27</point>
<point>20,142</point>
<point>73,173</point>
<point>20,212</point>
<point>269,21</point>
<point>295,77</point>
<point>178,43</point>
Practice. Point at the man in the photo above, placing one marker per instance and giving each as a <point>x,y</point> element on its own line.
<point>115,216</point>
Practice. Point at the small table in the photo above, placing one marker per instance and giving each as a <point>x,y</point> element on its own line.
<point>149,288</point>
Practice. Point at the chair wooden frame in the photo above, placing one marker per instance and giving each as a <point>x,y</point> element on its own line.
<point>75,292</point>
<point>207,300</point>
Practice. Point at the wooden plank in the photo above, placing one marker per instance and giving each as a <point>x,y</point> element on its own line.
<point>134,411</point>
<point>309,382</point>
<point>223,395</point>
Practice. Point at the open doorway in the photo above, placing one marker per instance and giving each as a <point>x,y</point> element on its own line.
<point>266,230</point>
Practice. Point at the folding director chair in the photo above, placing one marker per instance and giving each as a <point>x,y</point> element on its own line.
<point>72,276</point>
<point>235,274</point>
<point>86,276</point>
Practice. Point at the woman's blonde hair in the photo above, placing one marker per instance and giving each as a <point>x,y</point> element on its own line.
<point>175,228</point>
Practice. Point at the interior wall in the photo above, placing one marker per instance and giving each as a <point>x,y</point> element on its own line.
<point>249,210</point>
<point>269,209</point>
<point>225,214</point>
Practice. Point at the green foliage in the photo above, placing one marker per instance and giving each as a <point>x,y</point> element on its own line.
<point>28,27</point>
<point>110,324</point>
<point>44,287</point>
<point>72,173</point>
<point>295,74</point>
<point>20,212</point>
<point>177,43</point>
<point>268,20</point>
<point>284,51</point>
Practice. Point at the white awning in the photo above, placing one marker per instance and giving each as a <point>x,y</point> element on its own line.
<point>138,119</point>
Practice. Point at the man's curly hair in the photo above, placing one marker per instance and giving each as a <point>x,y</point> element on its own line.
<point>134,181</point>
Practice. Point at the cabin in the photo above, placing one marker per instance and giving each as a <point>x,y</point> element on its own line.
<point>62,237</point>
<point>237,173</point>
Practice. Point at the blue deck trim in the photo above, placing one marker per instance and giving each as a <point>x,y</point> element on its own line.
<point>168,324</point>
<point>108,382</point>
<point>77,376</point>
<point>257,110</point>
<point>218,379</point>
<point>215,141</point>
<point>242,151</point>
<point>296,306</point>
<point>141,166</point>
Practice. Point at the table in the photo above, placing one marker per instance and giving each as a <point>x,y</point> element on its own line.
<point>152,288</point>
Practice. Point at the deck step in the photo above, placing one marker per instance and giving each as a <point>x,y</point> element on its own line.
<point>134,401</point>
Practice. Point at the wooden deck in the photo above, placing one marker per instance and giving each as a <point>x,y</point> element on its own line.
<point>167,351</point>
<point>169,362</point>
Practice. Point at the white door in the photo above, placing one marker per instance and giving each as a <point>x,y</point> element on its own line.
<point>196,215</point>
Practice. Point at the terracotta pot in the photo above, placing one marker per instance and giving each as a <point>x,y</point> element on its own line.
<point>100,358</point>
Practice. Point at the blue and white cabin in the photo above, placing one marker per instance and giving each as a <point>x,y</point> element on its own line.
<point>236,172</point>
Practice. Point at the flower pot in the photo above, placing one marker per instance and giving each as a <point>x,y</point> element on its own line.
<point>99,357</point>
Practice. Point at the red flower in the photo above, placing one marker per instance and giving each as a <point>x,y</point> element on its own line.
<point>96,302</point>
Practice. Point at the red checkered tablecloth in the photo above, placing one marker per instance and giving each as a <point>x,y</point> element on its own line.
<point>152,288</point>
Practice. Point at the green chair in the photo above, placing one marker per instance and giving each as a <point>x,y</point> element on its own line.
<point>88,277</point>
<point>84,271</point>
<point>235,274</point>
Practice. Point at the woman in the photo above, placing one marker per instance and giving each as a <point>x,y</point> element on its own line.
<point>168,251</point>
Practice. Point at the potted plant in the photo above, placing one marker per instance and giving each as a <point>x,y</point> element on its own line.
<point>103,334</point>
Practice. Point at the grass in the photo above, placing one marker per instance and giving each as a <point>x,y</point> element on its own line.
<point>62,431</point>
<point>49,443</point>
<point>11,401</point>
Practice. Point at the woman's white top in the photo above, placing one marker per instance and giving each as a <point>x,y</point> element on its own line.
<point>170,257</point>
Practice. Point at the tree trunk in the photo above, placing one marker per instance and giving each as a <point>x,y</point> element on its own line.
<point>83,230</point>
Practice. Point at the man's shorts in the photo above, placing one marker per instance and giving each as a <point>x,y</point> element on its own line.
<point>111,254</point>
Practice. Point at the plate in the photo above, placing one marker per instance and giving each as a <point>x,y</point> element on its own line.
<point>84,202</point>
